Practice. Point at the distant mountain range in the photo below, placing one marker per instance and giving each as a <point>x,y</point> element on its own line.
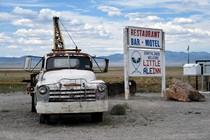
<point>11,62</point>
<point>172,59</point>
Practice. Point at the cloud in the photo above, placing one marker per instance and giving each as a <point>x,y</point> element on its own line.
<point>6,17</point>
<point>142,17</point>
<point>34,41</point>
<point>3,37</point>
<point>95,31</point>
<point>28,49</point>
<point>23,22</point>
<point>47,14</point>
<point>33,32</point>
<point>200,32</point>
<point>111,11</point>
<point>75,22</point>
<point>193,40</point>
<point>173,29</point>
<point>33,19</point>
<point>29,25</point>
<point>39,31</point>
<point>23,3</point>
<point>12,47</point>
<point>137,4</point>
<point>26,13</point>
<point>153,18</point>
<point>183,20</point>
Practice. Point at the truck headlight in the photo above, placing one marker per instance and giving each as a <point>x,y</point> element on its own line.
<point>101,87</point>
<point>43,90</point>
<point>101,92</point>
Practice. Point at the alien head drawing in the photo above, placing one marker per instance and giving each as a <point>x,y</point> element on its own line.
<point>136,61</point>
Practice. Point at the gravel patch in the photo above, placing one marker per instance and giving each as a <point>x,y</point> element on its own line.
<point>149,116</point>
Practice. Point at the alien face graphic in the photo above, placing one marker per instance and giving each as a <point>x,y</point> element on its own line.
<point>136,61</point>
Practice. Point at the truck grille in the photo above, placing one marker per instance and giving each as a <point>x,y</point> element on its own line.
<point>72,95</point>
<point>68,90</point>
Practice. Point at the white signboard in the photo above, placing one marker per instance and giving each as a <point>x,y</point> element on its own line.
<point>145,63</point>
<point>144,54</point>
<point>144,37</point>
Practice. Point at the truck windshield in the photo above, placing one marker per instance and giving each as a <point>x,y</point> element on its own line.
<point>71,62</point>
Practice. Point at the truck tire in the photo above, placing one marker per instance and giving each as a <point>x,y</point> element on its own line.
<point>97,117</point>
<point>44,119</point>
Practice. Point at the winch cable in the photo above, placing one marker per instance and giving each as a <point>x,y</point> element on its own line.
<point>71,40</point>
<point>68,34</point>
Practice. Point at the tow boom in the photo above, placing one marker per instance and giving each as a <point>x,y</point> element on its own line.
<point>58,39</point>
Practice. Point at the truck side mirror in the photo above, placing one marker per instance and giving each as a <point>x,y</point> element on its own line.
<point>100,65</point>
<point>27,64</point>
<point>30,65</point>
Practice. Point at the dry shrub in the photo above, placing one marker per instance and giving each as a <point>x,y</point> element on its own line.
<point>119,109</point>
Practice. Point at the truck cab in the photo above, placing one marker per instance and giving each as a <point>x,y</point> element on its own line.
<point>66,84</point>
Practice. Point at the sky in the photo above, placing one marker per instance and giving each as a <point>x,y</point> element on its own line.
<point>96,26</point>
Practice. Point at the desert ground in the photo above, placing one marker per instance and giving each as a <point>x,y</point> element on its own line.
<point>149,117</point>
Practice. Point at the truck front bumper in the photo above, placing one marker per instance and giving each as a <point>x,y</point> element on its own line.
<point>71,107</point>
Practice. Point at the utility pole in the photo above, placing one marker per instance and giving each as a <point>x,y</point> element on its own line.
<point>188,58</point>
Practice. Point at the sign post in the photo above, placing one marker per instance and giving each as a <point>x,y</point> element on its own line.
<point>163,67</point>
<point>144,54</point>
<point>126,77</point>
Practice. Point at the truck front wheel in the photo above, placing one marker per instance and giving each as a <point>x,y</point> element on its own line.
<point>44,119</point>
<point>97,117</point>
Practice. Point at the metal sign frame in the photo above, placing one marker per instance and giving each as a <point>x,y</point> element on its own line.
<point>144,54</point>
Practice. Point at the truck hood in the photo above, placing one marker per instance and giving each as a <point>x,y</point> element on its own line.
<point>56,75</point>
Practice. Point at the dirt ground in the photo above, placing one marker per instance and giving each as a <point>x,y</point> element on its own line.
<point>149,116</point>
